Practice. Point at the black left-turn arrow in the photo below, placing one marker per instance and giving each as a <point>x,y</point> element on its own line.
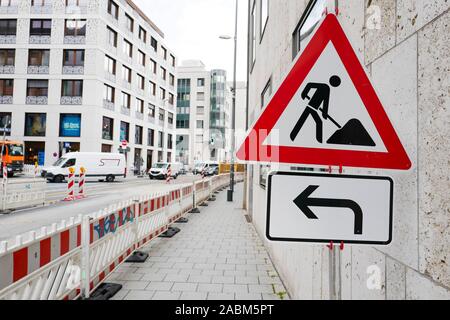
<point>304,201</point>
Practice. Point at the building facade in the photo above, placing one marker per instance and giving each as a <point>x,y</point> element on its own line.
<point>85,76</point>
<point>203,114</point>
<point>406,53</point>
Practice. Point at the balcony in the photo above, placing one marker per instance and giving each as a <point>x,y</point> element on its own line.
<point>11,39</point>
<point>125,111</point>
<point>7,69</point>
<point>38,70</point>
<point>12,9</point>
<point>38,100</point>
<point>71,101</point>
<point>76,9</point>
<point>109,105</point>
<point>74,39</point>
<point>6,99</point>
<point>73,70</point>
<point>139,115</point>
<point>48,9</point>
<point>40,39</point>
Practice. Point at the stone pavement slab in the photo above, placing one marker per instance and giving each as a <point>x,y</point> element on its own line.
<point>216,256</point>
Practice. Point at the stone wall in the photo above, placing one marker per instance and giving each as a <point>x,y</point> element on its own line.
<point>407,55</point>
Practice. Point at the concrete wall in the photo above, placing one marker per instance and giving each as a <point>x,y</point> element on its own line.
<point>407,57</point>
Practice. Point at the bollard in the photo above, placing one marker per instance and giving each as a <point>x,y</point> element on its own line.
<point>81,183</point>
<point>70,185</point>
<point>169,175</point>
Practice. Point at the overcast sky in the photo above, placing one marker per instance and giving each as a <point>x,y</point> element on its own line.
<point>192,28</point>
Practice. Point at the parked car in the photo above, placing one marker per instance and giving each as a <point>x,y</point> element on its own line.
<point>99,166</point>
<point>160,170</point>
<point>211,170</point>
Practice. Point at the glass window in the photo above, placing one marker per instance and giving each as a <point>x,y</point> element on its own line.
<point>7,57</point>
<point>163,73</point>
<point>171,79</point>
<point>73,58</point>
<point>171,99</point>
<point>110,93</point>
<point>151,110</point>
<point>138,134</point>
<point>142,35</point>
<point>253,34</point>
<point>170,118</point>
<point>200,110</point>
<point>72,88</point>
<point>70,125</point>
<point>124,131</point>
<point>8,27</point>
<point>75,27</point>
<point>162,92</point>
<point>126,100</point>
<point>35,124</point>
<point>40,27</point>
<point>154,44</point>
<point>140,105</point>
<point>172,60</point>
<point>6,87</point>
<point>126,74</point>
<point>201,82</point>
<point>200,124</point>
<point>308,23</point>
<point>141,58</point>
<point>164,53</point>
<point>127,48</point>
<point>161,115</point>
<point>37,88</point>
<point>5,123</point>
<point>264,15</point>
<point>151,137</point>
<point>152,88</point>
<point>141,82</point>
<point>110,65</point>
<point>169,143</point>
<point>129,23</point>
<point>160,139</point>
<point>70,163</point>
<point>108,128</point>
<point>153,66</point>
<point>112,37</point>
<point>39,57</point>
<point>113,9</point>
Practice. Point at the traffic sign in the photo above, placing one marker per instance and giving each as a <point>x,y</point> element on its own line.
<point>326,112</point>
<point>311,207</point>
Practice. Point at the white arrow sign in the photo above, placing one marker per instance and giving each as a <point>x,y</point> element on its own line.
<point>308,207</point>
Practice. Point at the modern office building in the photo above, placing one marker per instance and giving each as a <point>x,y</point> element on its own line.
<point>85,76</point>
<point>203,114</point>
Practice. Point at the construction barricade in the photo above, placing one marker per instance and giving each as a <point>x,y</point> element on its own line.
<point>17,194</point>
<point>71,259</point>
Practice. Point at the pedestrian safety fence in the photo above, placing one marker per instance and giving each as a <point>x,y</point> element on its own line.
<point>15,194</point>
<point>71,259</point>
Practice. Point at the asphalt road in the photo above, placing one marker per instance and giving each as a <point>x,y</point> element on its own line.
<point>99,196</point>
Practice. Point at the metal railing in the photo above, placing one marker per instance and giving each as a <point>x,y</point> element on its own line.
<point>71,259</point>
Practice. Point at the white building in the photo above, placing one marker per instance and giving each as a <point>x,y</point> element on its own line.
<point>84,76</point>
<point>404,48</point>
<point>203,114</point>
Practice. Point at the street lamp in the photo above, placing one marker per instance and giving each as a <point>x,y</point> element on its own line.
<point>233,111</point>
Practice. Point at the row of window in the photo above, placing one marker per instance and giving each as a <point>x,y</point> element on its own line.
<point>70,126</point>
<point>43,27</point>
<point>113,10</point>
<point>110,66</point>
<point>108,133</point>
<point>39,88</point>
<point>41,57</point>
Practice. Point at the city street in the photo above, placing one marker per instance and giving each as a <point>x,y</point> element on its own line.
<point>100,195</point>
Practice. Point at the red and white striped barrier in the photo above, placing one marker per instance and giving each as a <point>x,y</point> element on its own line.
<point>74,258</point>
<point>81,184</point>
<point>70,185</point>
<point>169,175</point>
<point>5,174</point>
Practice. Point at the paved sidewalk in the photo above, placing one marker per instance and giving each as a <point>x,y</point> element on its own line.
<point>216,256</point>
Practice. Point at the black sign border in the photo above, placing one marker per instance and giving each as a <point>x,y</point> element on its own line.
<point>323,175</point>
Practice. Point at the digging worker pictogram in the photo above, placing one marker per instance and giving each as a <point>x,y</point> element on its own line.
<point>321,98</point>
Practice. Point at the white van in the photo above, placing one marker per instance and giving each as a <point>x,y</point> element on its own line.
<point>160,170</point>
<point>99,166</point>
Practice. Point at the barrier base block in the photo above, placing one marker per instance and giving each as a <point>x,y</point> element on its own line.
<point>182,220</point>
<point>195,210</point>
<point>212,199</point>
<point>170,233</point>
<point>137,257</point>
<point>204,204</point>
<point>105,291</point>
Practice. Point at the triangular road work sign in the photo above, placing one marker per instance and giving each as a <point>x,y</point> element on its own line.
<point>326,112</point>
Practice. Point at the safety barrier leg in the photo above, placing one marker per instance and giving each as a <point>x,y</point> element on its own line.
<point>85,257</point>
<point>195,209</point>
